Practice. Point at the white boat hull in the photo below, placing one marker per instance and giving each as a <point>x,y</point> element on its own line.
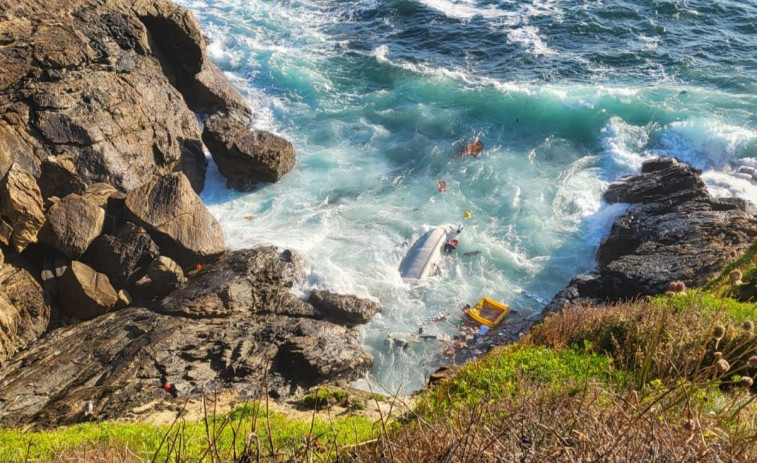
<point>424,257</point>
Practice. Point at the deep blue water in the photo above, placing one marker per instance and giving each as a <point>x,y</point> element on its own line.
<point>377,97</point>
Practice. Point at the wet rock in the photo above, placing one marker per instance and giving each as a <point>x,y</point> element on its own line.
<point>72,224</point>
<point>654,165</point>
<point>177,220</point>
<point>674,231</point>
<point>21,207</point>
<point>661,181</point>
<point>122,256</point>
<point>344,308</point>
<point>85,293</point>
<point>24,312</point>
<point>246,157</point>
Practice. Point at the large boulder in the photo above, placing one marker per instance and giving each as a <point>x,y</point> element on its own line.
<point>311,351</point>
<point>122,256</point>
<point>165,275</point>
<point>84,293</point>
<point>344,308</point>
<point>660,180</point>
<point>673,231</point>
<point>72,224</point>
<point>24,312</point>
<point>248,282</point>
<point>20,207</point>
<point>236,337</point>
<point>177,220</point>
<point>246,157</point>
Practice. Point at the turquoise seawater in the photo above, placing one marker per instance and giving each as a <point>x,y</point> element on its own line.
<point>378,96</point>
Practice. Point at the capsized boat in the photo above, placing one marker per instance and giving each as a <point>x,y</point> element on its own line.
<point>424,257</point>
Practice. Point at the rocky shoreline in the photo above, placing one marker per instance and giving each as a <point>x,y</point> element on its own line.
<point>673,231</point>
<point>117,296</point>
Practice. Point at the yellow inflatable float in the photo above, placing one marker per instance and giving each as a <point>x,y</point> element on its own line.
<point>488,312</point>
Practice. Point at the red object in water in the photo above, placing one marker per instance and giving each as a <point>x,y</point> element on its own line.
<point>441,185</point>
<point>198,266</point>
<point>453,242</point>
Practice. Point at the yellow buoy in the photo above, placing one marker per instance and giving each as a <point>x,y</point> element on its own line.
<point>467,214</point>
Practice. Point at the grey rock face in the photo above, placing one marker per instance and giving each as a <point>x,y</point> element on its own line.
<point>344,308</point>
<point>249,281</point>
<point>229,338</point>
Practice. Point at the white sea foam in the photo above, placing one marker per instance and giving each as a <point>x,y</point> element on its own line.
<point>624,144</point>
<point>705,142</point>
<point>528,37</point>
<point>464,9</point>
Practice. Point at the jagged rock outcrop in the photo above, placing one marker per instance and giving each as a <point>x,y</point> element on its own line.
<point>122,256</point>
<point>85,293</point>
<point>674,231</point>
<point>24,312</point>
<point>72,224</point>
<point>21,214</point>
<point>246,157</point>
<point>344,308</point>
<point>229,338</point>
<point>176,219</point>
<point>96,91</point>
<point>251,281</point>
<point>177,41</point>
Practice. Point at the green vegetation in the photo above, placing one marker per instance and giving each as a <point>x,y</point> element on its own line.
<point>505,370</point>
<point>324,397</point>
<point>188,441</point>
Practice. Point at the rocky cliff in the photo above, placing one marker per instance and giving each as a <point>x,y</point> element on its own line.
<point>673,231</point>
<point>115,286</point>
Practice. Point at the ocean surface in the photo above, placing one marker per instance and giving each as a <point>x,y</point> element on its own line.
<point>379,96</point>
